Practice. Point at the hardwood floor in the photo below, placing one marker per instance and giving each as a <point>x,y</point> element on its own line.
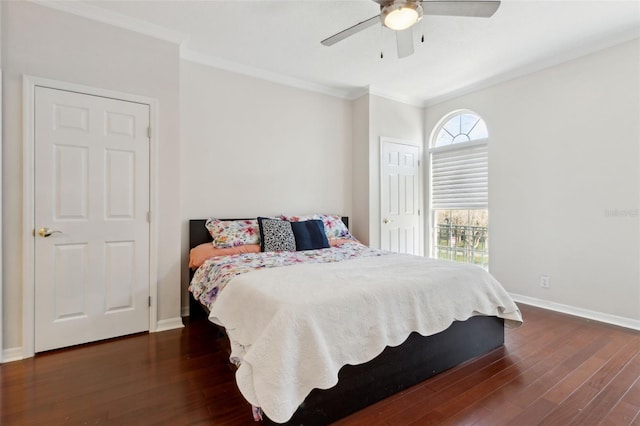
<point>555,370</point>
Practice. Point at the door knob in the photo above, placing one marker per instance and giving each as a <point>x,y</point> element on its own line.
<point>45,232</point>
<point>385,221</point>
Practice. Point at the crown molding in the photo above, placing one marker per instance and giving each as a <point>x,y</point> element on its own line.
<point>587,48</point>
<point>105,16</point>
<point>85,10</point>
<point>368,90</point>
<point>413,101</point>
<point>358,93</point>
<point>214,62</point>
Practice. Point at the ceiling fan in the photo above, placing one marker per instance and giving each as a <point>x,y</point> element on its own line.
<point>401,15</point>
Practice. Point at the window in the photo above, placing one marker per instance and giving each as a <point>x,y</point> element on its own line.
<point>459,189</point>
<point>462,127</point>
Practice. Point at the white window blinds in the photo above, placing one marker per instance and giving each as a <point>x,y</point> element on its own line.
<point>459,177</point>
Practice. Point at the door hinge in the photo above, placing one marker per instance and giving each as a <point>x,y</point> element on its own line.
<point>149,132</point>
<point>149,301</point>
<point>149,217</point>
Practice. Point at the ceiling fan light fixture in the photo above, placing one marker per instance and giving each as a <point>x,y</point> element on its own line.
<point>400,15</point>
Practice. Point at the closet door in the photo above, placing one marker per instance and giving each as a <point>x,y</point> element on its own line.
<point>91,215</point>
<point>400,195</point>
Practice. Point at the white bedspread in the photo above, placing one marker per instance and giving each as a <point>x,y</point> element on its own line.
<point>294,327</point>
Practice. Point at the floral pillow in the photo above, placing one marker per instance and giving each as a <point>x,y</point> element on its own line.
<point>334,227</point>
<point>232,233</point>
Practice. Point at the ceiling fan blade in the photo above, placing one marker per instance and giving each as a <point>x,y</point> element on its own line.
<point>330,41</point>
<point>404,40</point>
<point>478,9</point>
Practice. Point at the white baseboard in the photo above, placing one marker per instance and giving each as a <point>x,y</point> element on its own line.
<point>579,312</point>
<point>169,324</point>
<point>12,354</point>
<point>15,354</point>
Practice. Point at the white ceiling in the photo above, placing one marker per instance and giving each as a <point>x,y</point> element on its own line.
<point>280,40</point>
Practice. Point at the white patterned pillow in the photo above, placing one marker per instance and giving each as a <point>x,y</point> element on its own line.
<point>276,235</point>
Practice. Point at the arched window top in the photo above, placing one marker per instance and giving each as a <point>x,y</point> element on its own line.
<point>462,126</point>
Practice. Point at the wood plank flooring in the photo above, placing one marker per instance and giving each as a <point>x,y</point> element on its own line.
<point>555,370</point>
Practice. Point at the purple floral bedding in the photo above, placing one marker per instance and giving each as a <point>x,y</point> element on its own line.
<point>215,273</point>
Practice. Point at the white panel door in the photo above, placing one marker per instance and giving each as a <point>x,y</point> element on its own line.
<point>91,217</point>
<point>400,197</point>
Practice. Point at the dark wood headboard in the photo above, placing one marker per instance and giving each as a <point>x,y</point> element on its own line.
<point>198,234</point>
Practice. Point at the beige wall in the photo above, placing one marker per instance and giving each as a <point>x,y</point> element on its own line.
<point>391,119</point>
<point>251,147</point>
<point>360,168</point>
<point>378,117</point>
<point>564,154</point>
<point>1,208</point>
<point>46,43</point>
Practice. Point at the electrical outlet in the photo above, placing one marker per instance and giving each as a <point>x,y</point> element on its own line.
<point>544,281</point>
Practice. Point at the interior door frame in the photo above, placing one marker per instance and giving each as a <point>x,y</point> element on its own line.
<point>29,84</point>
<point>421,224</point>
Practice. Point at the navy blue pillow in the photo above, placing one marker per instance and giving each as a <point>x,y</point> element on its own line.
<point>309,235</point>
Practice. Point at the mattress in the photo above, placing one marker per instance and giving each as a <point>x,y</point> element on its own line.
<point>294,319</point>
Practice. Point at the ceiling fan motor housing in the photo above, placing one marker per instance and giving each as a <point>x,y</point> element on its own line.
<point>399,15</point>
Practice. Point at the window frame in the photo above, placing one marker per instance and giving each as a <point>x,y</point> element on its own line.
<point>480,142</point>
<point>445,120</point>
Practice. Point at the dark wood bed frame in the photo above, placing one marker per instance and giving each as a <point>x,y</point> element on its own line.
<point>394,370</point>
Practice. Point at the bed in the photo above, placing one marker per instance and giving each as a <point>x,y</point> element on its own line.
<point>402,362</point>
